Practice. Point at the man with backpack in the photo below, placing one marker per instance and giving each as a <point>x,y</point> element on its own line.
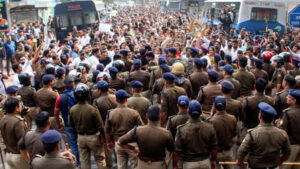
<point>63,104</point>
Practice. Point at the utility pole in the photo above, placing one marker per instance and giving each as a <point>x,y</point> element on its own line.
<point>7,8</point>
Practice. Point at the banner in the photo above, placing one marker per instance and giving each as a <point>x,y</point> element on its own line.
<point>3,16</point>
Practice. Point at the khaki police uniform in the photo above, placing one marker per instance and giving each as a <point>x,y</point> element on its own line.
<point>207,95</point>
<point>264,144</point>
<point>155,74</point>
<point>152,141</point>
<point>260,73</point>
<point>187,86</point>
<point>46,99</point>
<point>52,161</point>
<point>269,69</point>
<point>198,79</point>
<point>194,148</point>
<point>89,125</point>
<point>226,129</point>
<point>280,102</point>
<point>251,110</point>
<point>12,129</point>
<point>291,125</point>
<point>31,141</point>
<point>237,87</point>
<point>118,122</point>
<point>142,76</point>
<point>140,104</point>
<point>117,83</point>
<point>169,99</point>
<point>156,91</point>
<point>29,99</point>
<point>175,121</point>
<point>278,76</point>
<point>247,81</point>
<point>105,103</point>
<point>59,85</point>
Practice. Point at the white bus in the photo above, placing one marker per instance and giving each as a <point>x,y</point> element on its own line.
<point>249,14</point>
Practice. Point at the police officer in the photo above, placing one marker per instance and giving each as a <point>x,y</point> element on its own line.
<point>139,74</point>
<point>172,58</point>
<point>137,101</point>
<point>31,144</point>
<point>89,125</point>
<point>152,141</point>
<point>118,122</point>
<point>279,73</point>
<point>51,140</point>
<point>105,103</point>
<point>227,71</point>
<point>181,117</point>
<point>159,85</point>
<point>226,128</point>
<point>280,100</point>
<point>266,56</point>
<point>266,145</point>
<point>290,123</point>
<point>63,104</point>
<point>198,78</point>
<point>195,148</point>
<point>58,83</point>
<point>28,96</point>
<point>286,59</point>
<point>127,62</point>
<point>181,81</point>
<point>250,104</point>
<point>13,127</point>
<point>157,73</point>
<point>169,97</point>
<point>150,58</point>
<point>207,94</point>
<point>46,96</point>
<point>246,79</point>
<point>116,82</point>
<point>258,71</point>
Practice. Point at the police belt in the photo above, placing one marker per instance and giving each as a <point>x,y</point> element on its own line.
<point>87,133</point>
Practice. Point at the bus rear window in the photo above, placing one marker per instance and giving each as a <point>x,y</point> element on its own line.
<point>89,18</point>
<point>62,21</point>
<point>76,19</point>
<point>263,14</point>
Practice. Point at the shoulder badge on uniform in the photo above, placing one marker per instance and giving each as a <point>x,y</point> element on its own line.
<point>67,158</point>
<point>35,156</point>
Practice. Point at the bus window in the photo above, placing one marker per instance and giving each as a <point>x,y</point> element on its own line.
<point>263,14</point>
<point>62,21</point>
<point>89,18</point>
<point>76,19</point>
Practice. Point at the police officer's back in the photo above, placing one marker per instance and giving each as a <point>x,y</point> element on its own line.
<point>137,101</point>
<point>152,141</point>
<point>169,97</point>
<point>198,78</point>
<point>266,145</point>
<point>250,104</point>
<point>181,117</point>
<point>227,71</point>
<point>51,140</point>
<point>139,74</point>
<point>280,100</point>
<point>195,141</point>
<point>247,79</point>
<point>31,141</point>
<point>207,94</point>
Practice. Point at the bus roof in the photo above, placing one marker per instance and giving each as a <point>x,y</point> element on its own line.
<point>229,1</point>
<point>223,1</point>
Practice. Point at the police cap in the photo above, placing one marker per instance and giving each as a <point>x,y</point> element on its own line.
<point>51,137</point>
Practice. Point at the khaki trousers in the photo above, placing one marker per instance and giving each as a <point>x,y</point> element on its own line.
<point>108,158</point>
<point>204,164</point>
<point>225,156</point>
<point>88,144</point>
<point>294,157</point>
<point>16,161</point>
<point>123,155</point>
<point>151,165</point>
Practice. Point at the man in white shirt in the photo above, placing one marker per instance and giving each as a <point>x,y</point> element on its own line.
<point>85,39</point>
<point>81,59</point>
<point>17,68</point>
<point>94,59</point>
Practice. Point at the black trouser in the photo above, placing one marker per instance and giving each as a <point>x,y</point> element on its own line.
<point>8,64</point>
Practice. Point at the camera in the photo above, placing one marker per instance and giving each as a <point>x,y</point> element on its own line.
<point>24,111</point>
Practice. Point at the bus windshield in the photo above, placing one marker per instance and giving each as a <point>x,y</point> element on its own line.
<point>264,14</point>
<point>76,18</point>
